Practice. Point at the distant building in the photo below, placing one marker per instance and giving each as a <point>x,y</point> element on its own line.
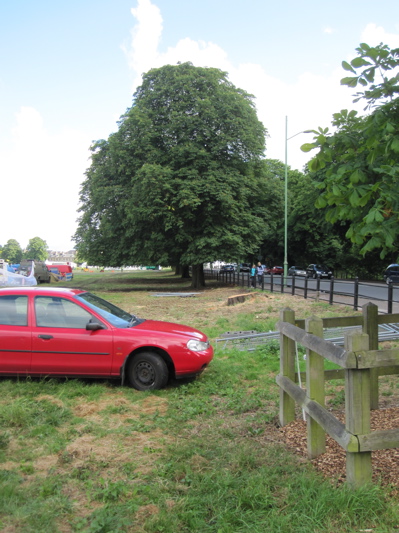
<point>62,257</point>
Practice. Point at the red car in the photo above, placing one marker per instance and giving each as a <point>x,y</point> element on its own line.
<point>275,270</point>
<point>71,332</point>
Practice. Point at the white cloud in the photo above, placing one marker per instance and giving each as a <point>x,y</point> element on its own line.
<point>142,51</point>
<point>374,35</point>
<point>42,173</point>
<point>308,101</point>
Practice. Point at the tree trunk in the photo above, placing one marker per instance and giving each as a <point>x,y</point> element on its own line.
<point>198,277</point>
<point>185,271</point>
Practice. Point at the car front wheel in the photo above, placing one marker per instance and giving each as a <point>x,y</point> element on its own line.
<point>147,371</point>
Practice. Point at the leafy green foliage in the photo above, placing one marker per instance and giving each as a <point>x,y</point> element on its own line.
<point>178,183</point>
<point>310,237</point>
<point>12,251</point>
<point>357,167</point>
<point>36,249</point>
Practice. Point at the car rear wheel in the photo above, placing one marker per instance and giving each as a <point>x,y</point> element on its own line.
<point>147,371</point>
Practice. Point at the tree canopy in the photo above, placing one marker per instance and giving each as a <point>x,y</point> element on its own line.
<point>12,251</point>
<point>36,249</point>
<point>180,182</point>
<point>357,166</point>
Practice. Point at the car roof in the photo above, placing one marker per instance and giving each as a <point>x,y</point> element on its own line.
<point>42,291</point>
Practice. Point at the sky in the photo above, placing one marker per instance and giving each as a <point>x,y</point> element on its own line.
<point>68,71</point>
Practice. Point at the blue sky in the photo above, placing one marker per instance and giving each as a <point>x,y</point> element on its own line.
<point>68,71</point>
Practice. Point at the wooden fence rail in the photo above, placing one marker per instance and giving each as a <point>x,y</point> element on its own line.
<point>361,363</point>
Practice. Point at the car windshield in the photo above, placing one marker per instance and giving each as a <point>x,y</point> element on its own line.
<point>320,267</point>
<point>110,312</point>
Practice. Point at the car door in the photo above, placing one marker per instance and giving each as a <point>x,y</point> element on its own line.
<point>62,345</point>
<point>310,271</point>
<point>15,335</point>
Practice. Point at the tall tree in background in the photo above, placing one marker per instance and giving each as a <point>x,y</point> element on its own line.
<point>310,238</point>
<point>357,167</point>
<point>12,251</point>
<point>179,182</point>
<point>37,249</point>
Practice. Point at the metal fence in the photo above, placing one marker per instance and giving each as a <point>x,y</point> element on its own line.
<point>250,340</point>
<point>354,293</point>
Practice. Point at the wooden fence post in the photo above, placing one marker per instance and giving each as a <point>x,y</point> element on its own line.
<point>357,411</point>
<point>370,326</point>
<point>315,389</point>
<point>287,369</point>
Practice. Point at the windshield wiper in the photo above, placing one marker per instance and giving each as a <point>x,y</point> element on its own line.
<point>133,320</point>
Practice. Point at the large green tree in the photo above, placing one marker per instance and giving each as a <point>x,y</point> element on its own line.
<point>357,166</point>
<point>180,181</point>
<point>36,249</point>
<point>310,238</point>
<point>12,251</point>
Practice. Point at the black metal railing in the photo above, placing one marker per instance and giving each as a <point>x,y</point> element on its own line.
<point>347,292</point>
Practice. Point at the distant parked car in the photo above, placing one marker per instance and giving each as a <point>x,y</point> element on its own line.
<point>40,271</point>
<point>275,270</point>
<point>391,273</point>
<point>321,271</point>
<point>228,268</point>
<point>297,271</point>
<point>245,267</point>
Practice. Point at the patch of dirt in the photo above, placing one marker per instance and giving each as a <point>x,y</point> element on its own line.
<point>146,511</point>
<point>112,452</point>
<point>332,464</point>
<point>50,399</point>
<point>94,411</point>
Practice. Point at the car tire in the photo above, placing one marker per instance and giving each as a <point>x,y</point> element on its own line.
<point>147,371</point>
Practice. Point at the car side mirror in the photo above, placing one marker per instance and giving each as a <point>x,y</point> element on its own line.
<point>94,326</point>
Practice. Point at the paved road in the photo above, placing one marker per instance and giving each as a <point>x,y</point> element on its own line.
<point>343,290</point>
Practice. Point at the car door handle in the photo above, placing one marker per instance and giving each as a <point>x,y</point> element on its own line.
<point>46,337</point>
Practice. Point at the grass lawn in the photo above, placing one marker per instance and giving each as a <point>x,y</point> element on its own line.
<point>199,456</point>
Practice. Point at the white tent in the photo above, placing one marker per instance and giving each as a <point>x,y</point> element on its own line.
<point>11,279</point>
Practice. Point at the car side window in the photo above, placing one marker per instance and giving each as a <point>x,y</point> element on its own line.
<point>54,312</point>
<point>14,310</point>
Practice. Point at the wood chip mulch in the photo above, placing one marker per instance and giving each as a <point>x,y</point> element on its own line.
<point>385,463</point>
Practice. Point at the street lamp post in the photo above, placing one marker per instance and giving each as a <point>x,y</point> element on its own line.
<point>286,198</point>
<point>286,206</point>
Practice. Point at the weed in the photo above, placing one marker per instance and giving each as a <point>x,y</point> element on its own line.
<point>108,519</point>
<point>5,438</point>
<point>105,490</point>
<point>339,399</point>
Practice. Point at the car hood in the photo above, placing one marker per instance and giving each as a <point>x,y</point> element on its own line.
<point>170,328</point>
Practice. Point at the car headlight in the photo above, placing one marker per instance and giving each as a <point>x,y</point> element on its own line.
<point>197,346</point>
